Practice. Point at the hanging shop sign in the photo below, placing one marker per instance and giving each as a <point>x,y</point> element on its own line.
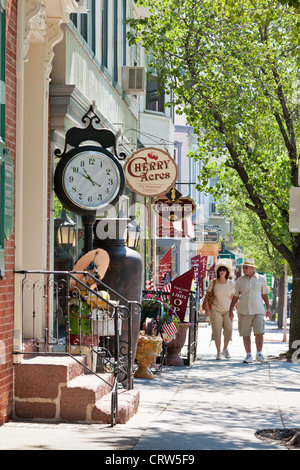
<point>174,211</point>
<point>150,172</point>
<point>173,194</point>
<point>207,237</point>
<point>208,249</point>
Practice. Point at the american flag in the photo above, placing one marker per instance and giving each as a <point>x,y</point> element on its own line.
<point>167,283</point>
<point>164,282</point>
<point>150,282</point>
<point>169,327</point>
<point>161,284</point>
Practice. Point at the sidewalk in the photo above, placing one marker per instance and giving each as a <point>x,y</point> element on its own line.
<point>217,405</point>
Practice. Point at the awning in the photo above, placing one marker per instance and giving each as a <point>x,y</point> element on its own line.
<point>226,254</point>
<point>179,229</point>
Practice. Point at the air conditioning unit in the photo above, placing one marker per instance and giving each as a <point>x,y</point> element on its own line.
<point>134,80</point>
<point>82,6</point>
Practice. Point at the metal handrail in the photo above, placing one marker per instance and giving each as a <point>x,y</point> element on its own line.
<point>122,311</point>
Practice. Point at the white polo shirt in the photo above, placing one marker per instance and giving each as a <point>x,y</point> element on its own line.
<point>250,290</point>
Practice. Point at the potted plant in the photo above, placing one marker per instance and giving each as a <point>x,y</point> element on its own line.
<point>148,348</point>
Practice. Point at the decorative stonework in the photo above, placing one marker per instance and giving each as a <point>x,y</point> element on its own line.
<point>42,23</point>
<point>54,36</point>
<point>34,23</point>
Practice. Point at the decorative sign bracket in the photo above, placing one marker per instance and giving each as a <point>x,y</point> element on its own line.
<point>76,135</point>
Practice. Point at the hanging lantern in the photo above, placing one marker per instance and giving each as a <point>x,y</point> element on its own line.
<point>66,230</point>
<point>133,233</point>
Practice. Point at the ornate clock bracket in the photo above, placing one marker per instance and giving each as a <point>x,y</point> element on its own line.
<point>76,135</point>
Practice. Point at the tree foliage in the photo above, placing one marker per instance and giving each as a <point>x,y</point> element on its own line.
<point>233,69</point>
<point>249,236</point>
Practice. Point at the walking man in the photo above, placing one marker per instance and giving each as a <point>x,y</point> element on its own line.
<point>250,291</point>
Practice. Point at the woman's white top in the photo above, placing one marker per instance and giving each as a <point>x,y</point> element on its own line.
<point>222,295</point>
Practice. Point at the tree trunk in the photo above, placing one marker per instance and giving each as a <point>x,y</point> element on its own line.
<point>295,313</point>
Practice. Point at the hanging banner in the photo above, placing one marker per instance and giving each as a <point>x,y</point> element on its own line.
<point>165,265</point>
<point>150,172</point>
<point>199,264</point>
<point>180,291</point>
<point>211,272</point>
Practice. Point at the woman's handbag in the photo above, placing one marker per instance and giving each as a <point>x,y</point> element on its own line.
<point>210,295</point>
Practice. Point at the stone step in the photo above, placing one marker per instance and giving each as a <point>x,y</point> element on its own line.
<point>56,389</point>
<point>79,396</point>
<point>128,403</point>
<point>41,376</point>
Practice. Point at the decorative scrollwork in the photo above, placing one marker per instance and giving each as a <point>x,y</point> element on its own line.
<point>77,135</point>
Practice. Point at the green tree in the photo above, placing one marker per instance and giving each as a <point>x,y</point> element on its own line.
<point>233,70</point>
<point>249,236</point>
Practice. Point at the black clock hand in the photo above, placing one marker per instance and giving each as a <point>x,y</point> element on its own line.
<point>88,177</point>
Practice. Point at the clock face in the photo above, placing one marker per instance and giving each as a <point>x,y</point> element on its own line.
<point>90,180</point>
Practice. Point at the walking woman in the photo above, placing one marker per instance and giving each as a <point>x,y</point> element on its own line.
<point>219,313</point>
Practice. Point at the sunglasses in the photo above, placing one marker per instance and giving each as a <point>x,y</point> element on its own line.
<point>222,269</point>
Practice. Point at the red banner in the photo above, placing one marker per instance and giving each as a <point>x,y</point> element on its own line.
<point>212,274</point>
<point>199,263</point>
<point>180,291</point>
<point>165,265</point>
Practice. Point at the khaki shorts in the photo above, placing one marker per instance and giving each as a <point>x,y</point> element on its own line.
<point>247,322</point>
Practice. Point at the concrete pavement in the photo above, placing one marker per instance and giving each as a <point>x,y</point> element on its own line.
<point>212,405</point>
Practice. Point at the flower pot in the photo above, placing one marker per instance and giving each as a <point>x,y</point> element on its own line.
<point>148,348</point>
<point>174,347</point>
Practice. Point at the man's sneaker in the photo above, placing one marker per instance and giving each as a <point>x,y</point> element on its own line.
<point>226,354</point>
<point>260,358</point>
<point>219,357</point>
<point>248,359</point>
